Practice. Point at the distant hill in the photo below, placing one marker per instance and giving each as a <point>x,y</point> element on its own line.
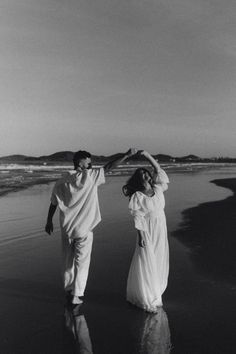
<point>67,157</point>
<point>190,158</point>
<point>163,158</point>
<point>17,158</point>
<point>64,156</point>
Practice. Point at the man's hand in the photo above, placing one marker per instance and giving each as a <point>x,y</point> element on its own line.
<point>131,152</point>
<point>115,163</point>
<point>49,227</point>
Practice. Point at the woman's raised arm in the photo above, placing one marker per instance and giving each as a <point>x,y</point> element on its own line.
<point>159,176</point>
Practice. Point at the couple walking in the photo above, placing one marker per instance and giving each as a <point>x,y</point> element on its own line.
<point>76,196</point>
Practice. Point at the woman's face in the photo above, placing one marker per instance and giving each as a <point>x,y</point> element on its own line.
<point>145,176</point>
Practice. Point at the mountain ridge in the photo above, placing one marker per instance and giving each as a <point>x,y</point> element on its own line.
<point>67,157</point>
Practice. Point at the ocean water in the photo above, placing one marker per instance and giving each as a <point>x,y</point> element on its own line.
<point>31,285</point>
<point>18,176</point>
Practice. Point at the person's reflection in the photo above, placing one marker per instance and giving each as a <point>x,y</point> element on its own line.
<point>155,337</point>
<point>76,323</point>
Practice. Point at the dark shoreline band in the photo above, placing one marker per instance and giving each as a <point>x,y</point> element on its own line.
<point>208,230</point>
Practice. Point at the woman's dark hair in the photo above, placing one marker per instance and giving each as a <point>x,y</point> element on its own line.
<point>80,155</point>
<point>135,182</point>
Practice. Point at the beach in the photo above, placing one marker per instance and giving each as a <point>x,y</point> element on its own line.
<point>197,316</point>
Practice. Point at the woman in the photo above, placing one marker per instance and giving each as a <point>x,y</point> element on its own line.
<point>149,268</point>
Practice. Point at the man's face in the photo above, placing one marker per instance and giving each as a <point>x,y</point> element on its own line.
<point>85,164</point>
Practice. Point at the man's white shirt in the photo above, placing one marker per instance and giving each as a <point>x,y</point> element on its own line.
<point>76,196</point>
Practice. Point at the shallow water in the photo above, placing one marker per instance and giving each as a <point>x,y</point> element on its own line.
<point>193,319</point>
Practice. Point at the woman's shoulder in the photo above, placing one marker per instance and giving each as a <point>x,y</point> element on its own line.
<point>135,196</point>
<point>138,196</point>
<point>135,200</point>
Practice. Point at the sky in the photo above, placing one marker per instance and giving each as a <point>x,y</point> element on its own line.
<point>104,75</point>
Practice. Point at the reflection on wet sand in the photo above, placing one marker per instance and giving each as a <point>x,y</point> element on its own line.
<point>76,323</point>
<point>151,333</point>
<point>155,337</point>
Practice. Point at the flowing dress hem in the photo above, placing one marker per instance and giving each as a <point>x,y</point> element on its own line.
<point>151,309</point>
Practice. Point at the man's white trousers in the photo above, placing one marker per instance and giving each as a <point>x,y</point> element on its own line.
<point>76,256</point>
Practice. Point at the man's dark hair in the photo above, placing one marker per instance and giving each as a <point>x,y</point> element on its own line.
<point>80,155</point>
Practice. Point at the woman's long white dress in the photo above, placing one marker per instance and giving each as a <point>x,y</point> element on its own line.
<point>148,274</point>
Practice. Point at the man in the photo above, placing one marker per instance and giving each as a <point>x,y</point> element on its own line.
<point>76,196</point>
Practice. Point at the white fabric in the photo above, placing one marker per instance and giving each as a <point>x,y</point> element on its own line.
<point>148,274</point>
<point>76,260</point>
<point>161,179</point>
<point>76,196</point>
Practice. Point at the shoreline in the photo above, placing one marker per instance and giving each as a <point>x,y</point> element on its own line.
<point>208,230</point>
<point>21,177</point>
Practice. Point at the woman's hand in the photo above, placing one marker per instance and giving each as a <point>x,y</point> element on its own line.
<point>144,153</point>
<point>153,162</point>
<point>141,242</point>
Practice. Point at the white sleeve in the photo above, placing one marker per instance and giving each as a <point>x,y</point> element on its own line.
<point>98,176</point>
<point>161,180</point>
<point>137,213</point>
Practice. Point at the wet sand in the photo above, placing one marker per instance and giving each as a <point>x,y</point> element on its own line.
<point>207,323</point>
<point>198,312</point>
<point>209,231</point>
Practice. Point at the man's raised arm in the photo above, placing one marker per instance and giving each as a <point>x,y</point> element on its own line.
<point>115,163</point>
